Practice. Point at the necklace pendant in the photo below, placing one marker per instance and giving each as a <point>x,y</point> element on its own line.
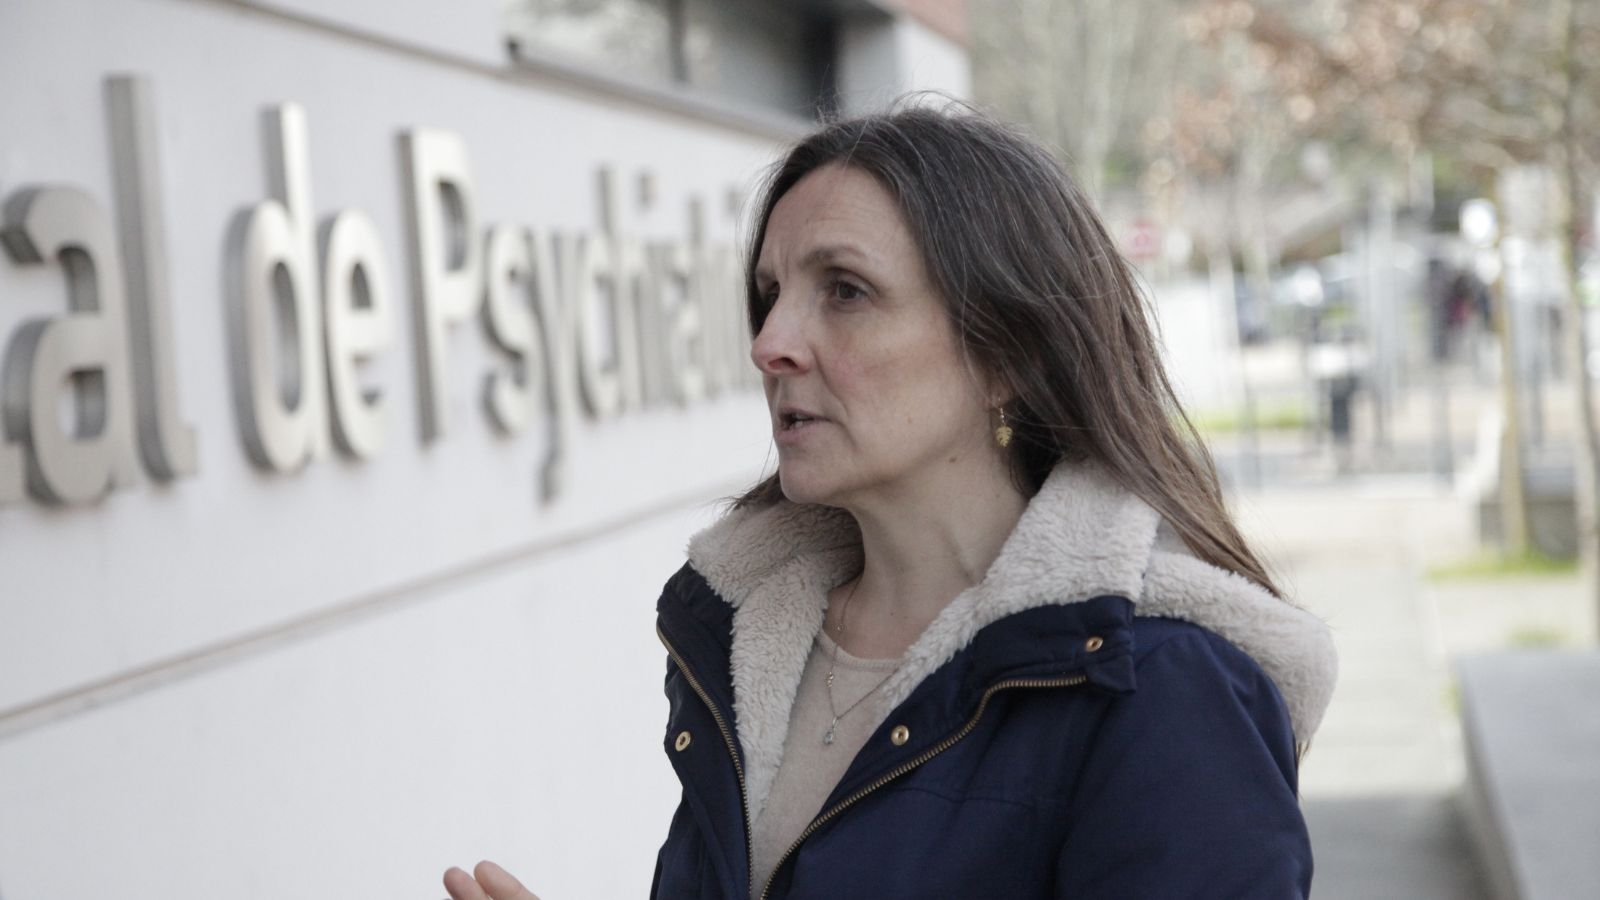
<point>828,738</point>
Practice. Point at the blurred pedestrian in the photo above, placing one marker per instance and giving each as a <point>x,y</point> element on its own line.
<point>988,631</point>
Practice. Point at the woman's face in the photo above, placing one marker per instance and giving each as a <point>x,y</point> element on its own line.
<point>864,376</point>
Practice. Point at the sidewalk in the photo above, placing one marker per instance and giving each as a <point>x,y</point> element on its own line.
<point>1379,782</point>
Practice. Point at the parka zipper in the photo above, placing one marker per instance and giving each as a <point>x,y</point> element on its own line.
<point>727,738</point>
<point>902,769</point>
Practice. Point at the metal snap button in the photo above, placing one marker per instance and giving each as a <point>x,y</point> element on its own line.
<point>1093,644</point>
<point>900,735</point>
<point>682,743</point>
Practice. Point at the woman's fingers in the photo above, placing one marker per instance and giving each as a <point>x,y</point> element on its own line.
<point>499,883</point>
<point>487,882</point>
<point>462,886</point>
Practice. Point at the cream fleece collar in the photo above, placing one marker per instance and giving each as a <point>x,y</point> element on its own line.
<point>1082,536</point>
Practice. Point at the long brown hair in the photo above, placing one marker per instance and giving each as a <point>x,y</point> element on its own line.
<point>1041,298</point>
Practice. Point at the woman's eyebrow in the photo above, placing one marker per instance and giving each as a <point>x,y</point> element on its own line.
<point>824,255</point>
<point>828,254</point>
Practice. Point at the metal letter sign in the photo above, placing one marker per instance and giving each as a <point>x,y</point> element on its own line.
<point>508,313</point>
<point>683,354</point>
<point>600,323</point>
<point>358,316</point>
<point>279,389</point>
<point>593,294</point>
<point>11,463</point>
<point>626,294</point>
<point>446,256</point>
<point>86,348</point>
<point>167,445</point>
<point>558,324</point>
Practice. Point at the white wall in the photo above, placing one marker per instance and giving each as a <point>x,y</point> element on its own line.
<point>466,30</point>
<point>931,61</point>
<point>515,715</point>
<point>880,59</point>
<point>234,549</point>
<point>340,681</point>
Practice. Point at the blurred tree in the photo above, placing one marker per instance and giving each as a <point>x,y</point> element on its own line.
<point>1207,105</point>
<point>1485,84</point>
<point>1084,75</point>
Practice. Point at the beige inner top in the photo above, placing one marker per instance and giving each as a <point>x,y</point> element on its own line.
<point>810,768</point>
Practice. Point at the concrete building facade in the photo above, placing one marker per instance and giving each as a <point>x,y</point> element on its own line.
<point>366,367</point>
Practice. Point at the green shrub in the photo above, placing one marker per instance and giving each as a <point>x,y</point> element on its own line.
<point>1501,565</point>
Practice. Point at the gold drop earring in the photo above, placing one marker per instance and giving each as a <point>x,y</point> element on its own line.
<point>1002,435</point>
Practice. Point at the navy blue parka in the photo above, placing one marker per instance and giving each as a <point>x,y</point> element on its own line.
<point>1050,740</point>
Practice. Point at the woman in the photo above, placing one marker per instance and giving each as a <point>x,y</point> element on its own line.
<point>989,630</point>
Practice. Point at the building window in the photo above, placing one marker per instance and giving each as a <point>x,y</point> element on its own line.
<point>749,52</point>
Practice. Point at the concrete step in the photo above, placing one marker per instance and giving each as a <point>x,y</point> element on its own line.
<point>1531,722</point>
<point>1391,847</point>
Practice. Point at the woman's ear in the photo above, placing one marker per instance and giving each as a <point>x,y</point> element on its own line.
<point>993,387</point>
<point>998,391</point>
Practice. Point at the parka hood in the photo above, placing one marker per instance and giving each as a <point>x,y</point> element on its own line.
<point>1082,535</point>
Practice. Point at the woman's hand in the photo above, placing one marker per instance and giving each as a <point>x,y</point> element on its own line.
<point>487,882</point>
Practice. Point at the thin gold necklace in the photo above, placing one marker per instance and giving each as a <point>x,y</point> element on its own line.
<point>833,707</point>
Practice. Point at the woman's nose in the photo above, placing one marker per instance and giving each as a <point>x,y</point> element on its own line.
<point>780,347</point>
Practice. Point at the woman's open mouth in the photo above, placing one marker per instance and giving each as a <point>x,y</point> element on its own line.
<point>793,424</point>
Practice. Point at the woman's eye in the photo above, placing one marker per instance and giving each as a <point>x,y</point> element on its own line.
<point>846,291</point>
